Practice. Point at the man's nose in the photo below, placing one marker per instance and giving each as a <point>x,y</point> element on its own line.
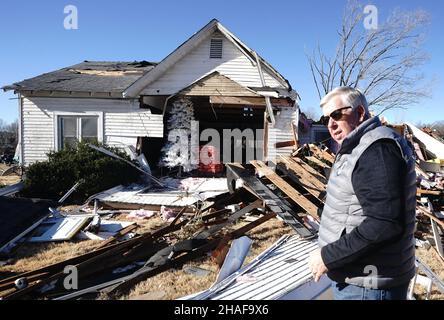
<point>332,124</point>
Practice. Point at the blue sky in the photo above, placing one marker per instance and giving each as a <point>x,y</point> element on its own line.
<point>34,40</point>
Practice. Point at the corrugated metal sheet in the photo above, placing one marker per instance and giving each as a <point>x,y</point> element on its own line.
<point>278,271</point>
<point>138,194</point>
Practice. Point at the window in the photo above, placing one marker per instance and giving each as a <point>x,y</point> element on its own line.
<point>77,128</point>
<point>216,48</point>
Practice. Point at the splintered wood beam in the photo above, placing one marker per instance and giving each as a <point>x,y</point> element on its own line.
<point>215,214</point>
<point>309,169</point>
<point>285,187</point>
<point>304,183</point>
<point>212,230</point>
<point>420,192</point>
<point>321,154</point>
<point>318,162</point>
<point>280,206</point>
<point>431,216</point>
<point>242,230</point>
<point>303,177</point>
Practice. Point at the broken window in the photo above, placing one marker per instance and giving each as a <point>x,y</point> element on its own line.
<point>73,129</point>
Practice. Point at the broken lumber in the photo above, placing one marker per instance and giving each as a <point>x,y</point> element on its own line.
<point>295,196</point>
<point>281,207</point>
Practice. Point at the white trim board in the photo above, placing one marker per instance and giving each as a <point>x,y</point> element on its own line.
<point>60,229</point>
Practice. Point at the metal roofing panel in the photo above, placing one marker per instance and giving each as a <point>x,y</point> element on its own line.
<point>279,270</point>
<point>195,189</point>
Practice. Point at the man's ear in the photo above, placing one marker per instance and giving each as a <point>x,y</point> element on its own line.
<point>361,113</point>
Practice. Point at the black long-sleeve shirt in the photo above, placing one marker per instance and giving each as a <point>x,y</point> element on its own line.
<point>378,183</point>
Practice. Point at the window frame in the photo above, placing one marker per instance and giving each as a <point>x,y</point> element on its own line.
<point>78,115</point>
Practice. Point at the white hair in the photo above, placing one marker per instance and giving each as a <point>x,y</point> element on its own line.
<point>350,97</point>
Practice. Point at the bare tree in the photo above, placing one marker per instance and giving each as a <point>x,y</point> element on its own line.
<point>382,62</point>
<point>8,137</point>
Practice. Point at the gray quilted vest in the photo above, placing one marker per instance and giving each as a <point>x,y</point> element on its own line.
<point>394,263</point>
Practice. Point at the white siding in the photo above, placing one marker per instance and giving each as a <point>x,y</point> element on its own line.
<point>133,124</point>
<point>234,64</point>
<point>282,131</point>
<point>122,120</point>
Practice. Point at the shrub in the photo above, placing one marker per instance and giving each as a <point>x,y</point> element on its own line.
<point>51,179</point>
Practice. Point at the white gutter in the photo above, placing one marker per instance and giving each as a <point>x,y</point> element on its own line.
<point>267,98</point>
<point>166,102</point>
<point>20,129</point>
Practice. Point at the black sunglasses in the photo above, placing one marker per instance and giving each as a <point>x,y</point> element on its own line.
<point>335,115</point>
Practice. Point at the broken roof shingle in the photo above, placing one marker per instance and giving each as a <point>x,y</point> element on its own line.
<point>87,76</point>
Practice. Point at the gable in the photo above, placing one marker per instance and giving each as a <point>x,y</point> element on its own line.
<point>216,84</point>
<point>234,64</point>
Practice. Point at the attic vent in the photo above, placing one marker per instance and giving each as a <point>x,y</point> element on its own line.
<point>216,48</point>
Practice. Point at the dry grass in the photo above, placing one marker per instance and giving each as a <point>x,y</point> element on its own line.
<point>33,256</point>
<point>9,179</point>
<point>430,258</point>
<point>176,283</point>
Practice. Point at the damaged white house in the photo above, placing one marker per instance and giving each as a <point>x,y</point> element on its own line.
<point>128,103</point>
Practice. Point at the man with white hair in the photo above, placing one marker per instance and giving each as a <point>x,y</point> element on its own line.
<point>366,233</point>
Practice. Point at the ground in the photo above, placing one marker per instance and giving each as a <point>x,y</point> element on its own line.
<point>177,283</point>
<point>168,285</point>
<point>430,257</point>
<point>9,179</point>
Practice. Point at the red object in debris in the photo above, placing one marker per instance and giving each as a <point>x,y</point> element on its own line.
<point>210,160</point>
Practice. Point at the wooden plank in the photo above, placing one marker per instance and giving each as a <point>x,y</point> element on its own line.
<point>437,238</point>
<point>310,170</point>
<point>304,178</point>
<point>207,233</point>
<point>249,101</point>
<point>306,204</point>
<point>420,192</point>
<point>304,183</point>
<point>215,214</point>
<point>284,144</point>
<point>321,154</point>
<point>431,216</point>
<point>318,162</point>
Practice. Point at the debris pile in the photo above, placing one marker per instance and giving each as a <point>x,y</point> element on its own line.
<point>209,217</point>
